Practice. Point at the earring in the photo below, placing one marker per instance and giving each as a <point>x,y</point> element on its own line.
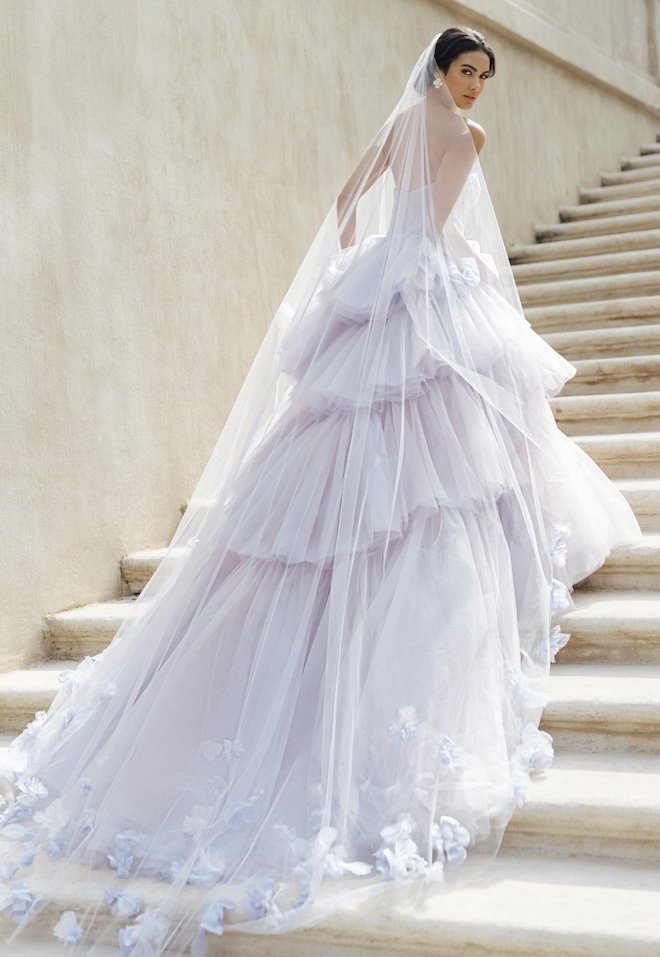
<point>437,83</point>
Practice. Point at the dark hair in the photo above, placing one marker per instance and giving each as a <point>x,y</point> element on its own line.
<point>457,40</point>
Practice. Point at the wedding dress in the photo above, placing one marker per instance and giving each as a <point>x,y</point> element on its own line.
<point>332,683</point>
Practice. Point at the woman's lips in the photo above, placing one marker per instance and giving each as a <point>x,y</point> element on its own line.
<point>469,97</point>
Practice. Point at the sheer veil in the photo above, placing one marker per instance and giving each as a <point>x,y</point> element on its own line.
<point>332,682</point>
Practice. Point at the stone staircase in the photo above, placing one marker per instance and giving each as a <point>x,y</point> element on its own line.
<point>578,874</point>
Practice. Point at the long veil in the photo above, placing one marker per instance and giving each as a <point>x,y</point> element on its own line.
<point>333,681</point>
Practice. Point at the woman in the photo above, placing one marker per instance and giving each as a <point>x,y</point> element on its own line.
<point>331,683</point>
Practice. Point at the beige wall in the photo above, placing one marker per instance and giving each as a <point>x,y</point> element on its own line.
<point>167,166</point>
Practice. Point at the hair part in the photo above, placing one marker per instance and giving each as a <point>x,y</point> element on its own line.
<point>456,40</point>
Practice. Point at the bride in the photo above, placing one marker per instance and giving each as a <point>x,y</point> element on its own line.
<point>333,682</point>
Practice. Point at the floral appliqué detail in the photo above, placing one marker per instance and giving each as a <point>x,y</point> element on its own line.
<point>67,929</point>
<point>398,857</point>
<point>406,724</point>
<point>261,899</point>
<point>148,932</point>
<point>450,840</point>
<point>227,748</point>
<point>17,901</point>
<point>558,639</point>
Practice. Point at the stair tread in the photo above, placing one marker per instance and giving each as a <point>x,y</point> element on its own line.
<point>612,364</point>
<point>629,278</point>
<point>613,438</point>
<point>638,484</point>
<point>609,608</point>
<point>592,786</point>
<point>524,904</point>
<point>607,262</point>
<point>571,250</point>
<point>111,610</point>
<point>613,398</point>
<point>603,684</point>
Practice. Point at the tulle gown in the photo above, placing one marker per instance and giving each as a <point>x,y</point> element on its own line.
<point>339,688</point>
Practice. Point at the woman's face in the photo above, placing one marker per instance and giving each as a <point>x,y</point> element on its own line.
<point>466,77</point>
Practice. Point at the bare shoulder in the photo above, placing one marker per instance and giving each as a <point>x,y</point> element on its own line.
<point>478,133</point>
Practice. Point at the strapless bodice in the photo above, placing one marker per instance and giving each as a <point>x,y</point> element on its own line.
<point>411,209</point>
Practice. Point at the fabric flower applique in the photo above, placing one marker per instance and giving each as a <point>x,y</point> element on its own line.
<point>171,872</point>
<point>33,729</point>
<point>31,790</point>
<point>122,905</point>
<point>85,785</point>
<point>8,869</point>
<point>87,821</point>
<point>67,929</point>
<point>520,787</point>
<point>127,846</point>
<point>144,935</point>
<point>535,751</point>
<point>212,922</point>
<point>559,552</point>
<point>245,812</point>
<point>558,639</point>
<point>208,869</point>
<point>450,840</point>
<point>261,900</point>
<point>398,857</point>
<point>108,690</point>
<point>67,717</point>
<point>452,754</point>
<point>524,694</point>
<point>299,845</point>
<point>406,724</point>
<point>227,748</point>
<point>560,598</point>
<point>197,821</point>
<point>321,854</point>
<point>17,901</point>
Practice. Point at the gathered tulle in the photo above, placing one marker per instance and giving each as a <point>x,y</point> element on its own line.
<point>334,681</point>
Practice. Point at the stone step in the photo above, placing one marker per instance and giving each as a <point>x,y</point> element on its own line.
<point>644,498</point>
<point>615,374</point>
<point>28,690</point>
<point>600,314</point>
<point>615,626</point>
<point>592,805</point>
<point>604,264</point>
<point>587,702</point>
<point>635,455</point>
<point>585,247</point>
<point>648,157</point>
<point>586,221</point>
<point>523,906</point>
<point>649,188</point>
<point>631,567</point>
<point>649,148</point>
<point>85,630</point>
<point>594,706</point>
<point>632,341</point>
<point>603,413</point>
<point>593,288</point>
<point>633,174</point>
<point>138,567</point>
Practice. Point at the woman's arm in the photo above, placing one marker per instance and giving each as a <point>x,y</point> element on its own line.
<point>373,164</point>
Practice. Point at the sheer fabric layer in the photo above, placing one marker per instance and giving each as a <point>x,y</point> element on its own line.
<point>334,680</point>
